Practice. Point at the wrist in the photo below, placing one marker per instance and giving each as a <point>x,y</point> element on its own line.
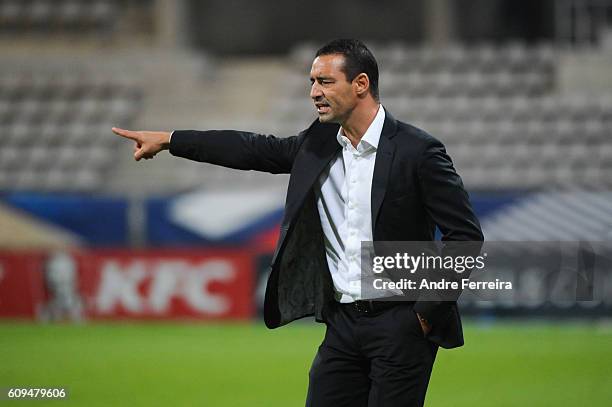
<point>166,138</point>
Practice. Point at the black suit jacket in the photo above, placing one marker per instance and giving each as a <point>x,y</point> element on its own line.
<point>414,188</point>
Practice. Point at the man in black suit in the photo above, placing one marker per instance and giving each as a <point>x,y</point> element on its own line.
<point>357,174</point>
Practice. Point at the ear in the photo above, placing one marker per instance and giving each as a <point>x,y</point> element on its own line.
<point>361,84</point>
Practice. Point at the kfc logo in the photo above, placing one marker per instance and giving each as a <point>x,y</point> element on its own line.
<point>121,286</point>
<point>169,286</point>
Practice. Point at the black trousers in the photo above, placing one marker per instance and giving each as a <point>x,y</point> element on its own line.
<point>374,359</point>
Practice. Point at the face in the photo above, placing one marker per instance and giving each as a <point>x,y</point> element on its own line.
<point>333,95</point>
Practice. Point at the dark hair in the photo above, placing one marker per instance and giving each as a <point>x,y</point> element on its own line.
<point>357,59</point>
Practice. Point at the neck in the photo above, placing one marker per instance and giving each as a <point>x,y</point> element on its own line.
<point>358,122</point>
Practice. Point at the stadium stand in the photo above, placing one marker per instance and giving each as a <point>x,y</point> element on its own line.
<point>50,114</point>
<point>70,17</point>
<point>498,108</point>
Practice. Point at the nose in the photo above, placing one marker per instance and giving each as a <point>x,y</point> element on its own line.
<point>315,91</point>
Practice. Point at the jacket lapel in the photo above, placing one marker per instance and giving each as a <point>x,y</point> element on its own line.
<point>318,150</point>
<point>382,165</point>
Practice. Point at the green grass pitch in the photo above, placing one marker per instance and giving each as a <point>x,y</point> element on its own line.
<point>235,365</point>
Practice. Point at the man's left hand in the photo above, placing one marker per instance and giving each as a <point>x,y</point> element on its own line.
<point>424,324</point>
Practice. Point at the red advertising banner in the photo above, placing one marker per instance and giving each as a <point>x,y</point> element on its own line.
<point>167,284</point>
<point>128,284</point>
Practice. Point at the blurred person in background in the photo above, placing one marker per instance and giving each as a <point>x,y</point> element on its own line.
<point>357,174</point>
<point>61,281</point>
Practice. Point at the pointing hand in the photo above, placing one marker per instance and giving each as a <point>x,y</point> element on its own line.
<point>146,143</point>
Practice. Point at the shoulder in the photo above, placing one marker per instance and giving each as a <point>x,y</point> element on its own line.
<point>415,138</point>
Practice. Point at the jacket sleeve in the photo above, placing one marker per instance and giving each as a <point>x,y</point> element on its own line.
<point>448,205</point>
<point>237,149</point>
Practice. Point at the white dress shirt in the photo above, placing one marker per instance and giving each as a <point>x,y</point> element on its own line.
<point>344,202</point>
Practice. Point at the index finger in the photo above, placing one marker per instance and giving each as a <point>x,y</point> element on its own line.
<point>132,135</point>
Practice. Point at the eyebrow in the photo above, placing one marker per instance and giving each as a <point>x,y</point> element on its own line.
<point>321,78</point>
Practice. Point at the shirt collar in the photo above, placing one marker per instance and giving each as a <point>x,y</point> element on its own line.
<point>372,134</point>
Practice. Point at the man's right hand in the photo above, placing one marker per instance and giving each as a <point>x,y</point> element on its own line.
<point>146,143</point>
